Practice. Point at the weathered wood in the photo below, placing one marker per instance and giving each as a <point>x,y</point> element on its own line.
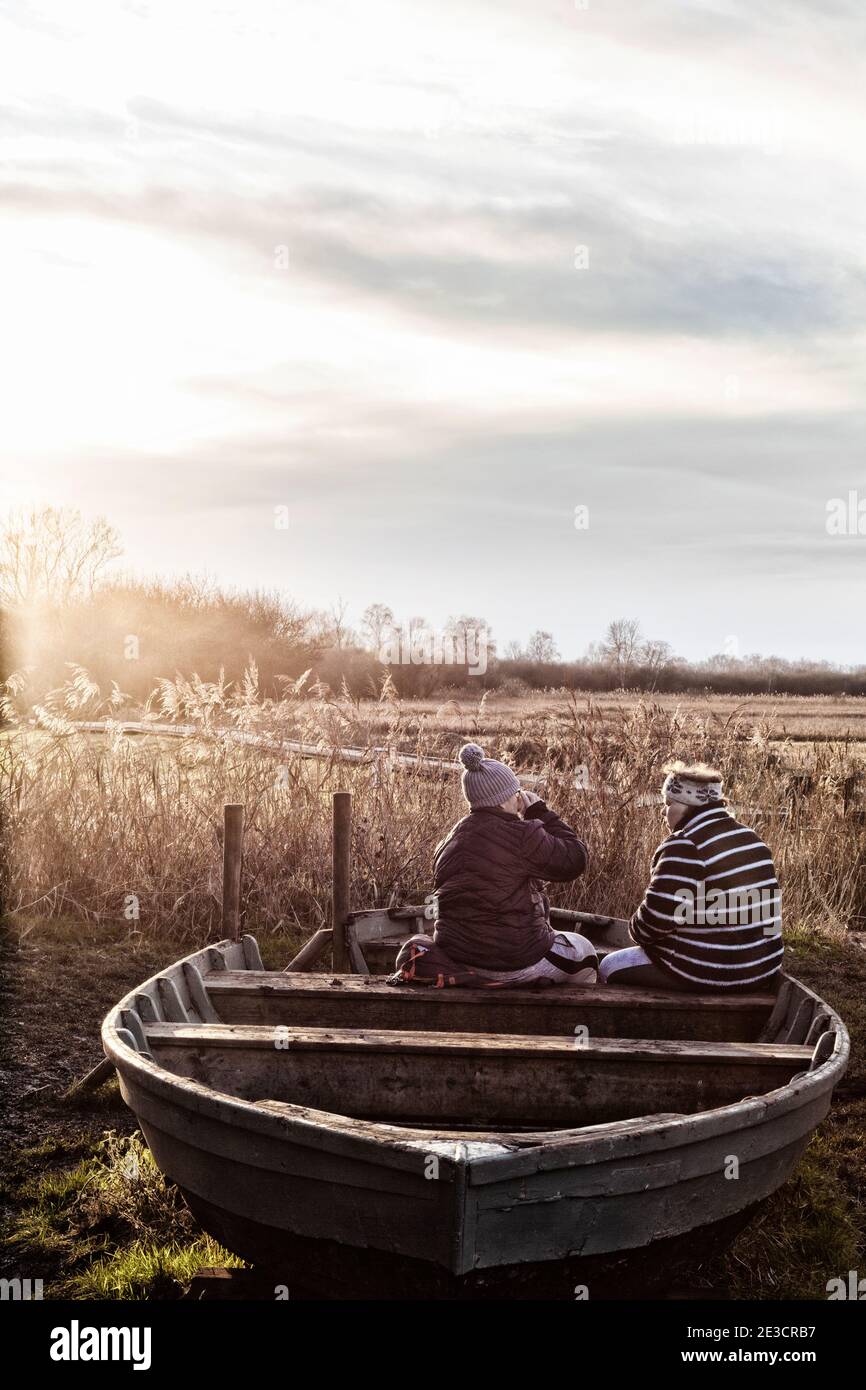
<point>824,1049</point>
<point>233,839</point>
<point>570,1224</point>
<point>559,914</point>
<point>172,1005</point>
<point>226,1284</point>
<point>268,1175</point>
<point>795,1003</point>
<point>341,871</point>
<point>375,924</point>
<point>252,955</point>
<point>820,1023</point>
<point>227,1036</point>
<point>233,955</point>
<point>780,1009</point>
<point>343,1272</point>
<point>201,1000</point>
<point>356,955</point>
<point>388,924</point>
<point>611,933</point>
<point>311,951</point>
<point>471,1078</point>
<point>126,1038</point>
<point>606,1011</point>
<point>799,1029</point>
<point>146,1003</point>
<point>130,1020</point>
<point>97,1076</point>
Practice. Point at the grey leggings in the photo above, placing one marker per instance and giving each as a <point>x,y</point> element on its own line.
<point>632,966</point>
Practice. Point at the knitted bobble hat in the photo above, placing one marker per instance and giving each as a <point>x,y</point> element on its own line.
<point>485,781</point>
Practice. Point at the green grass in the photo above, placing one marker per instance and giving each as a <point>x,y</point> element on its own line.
<point>146,1270</point>
<point>807,1233</point>
<point>111,1226</point>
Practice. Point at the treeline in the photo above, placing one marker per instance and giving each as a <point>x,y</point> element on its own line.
<point>745,676</point>
<point>60,606</point>
<point>130,634</point>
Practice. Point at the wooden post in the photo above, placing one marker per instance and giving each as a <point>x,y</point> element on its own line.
<point>342,851</point>
<point>233,840</point>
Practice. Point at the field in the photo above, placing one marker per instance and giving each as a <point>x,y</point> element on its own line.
<point>113,858</point>
<point>791,718</point>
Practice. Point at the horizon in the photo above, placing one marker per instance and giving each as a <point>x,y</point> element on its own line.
<point>402,627</point>
<point>423,300</point>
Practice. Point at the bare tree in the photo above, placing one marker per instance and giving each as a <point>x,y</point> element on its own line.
<point>53,555</point>
<point>471,635</point>
<point>656,657</point>
<point>621,646</point>
<point>340,629</point>
<point>541,647</point>
<point>376,620</point>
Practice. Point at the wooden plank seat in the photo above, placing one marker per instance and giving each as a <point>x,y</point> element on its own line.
<point>471,1080</point>
<point>339,1001</point>
<point>374,935</point>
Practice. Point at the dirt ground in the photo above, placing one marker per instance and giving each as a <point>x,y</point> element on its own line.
<point>55,988</point>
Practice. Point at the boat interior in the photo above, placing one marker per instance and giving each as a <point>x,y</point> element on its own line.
<point>479,1060</point>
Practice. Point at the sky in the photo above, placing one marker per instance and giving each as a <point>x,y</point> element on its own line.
<point>363,301</point>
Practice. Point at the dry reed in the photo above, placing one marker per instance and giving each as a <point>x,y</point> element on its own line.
<point>107,827</point>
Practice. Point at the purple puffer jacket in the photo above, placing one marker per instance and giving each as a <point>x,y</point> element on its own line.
<point>492,912</point>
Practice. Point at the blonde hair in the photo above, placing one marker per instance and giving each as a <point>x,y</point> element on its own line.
<point>696,772</point>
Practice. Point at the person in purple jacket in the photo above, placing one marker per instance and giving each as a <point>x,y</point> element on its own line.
<point>491,910</point>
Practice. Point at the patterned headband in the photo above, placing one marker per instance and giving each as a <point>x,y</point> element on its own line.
<point>688,791</point>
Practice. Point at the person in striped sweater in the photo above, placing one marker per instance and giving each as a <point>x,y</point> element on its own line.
<point>711,916</point>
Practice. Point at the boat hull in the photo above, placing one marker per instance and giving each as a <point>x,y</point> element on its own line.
<point>327,1269</point>
<point>459,1215</point>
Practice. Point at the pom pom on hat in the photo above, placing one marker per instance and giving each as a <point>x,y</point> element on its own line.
<point>471,756</point>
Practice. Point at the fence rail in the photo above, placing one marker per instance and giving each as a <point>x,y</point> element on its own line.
<point>381,757</point>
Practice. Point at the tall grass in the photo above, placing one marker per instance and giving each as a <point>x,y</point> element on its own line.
<point>108,826</point>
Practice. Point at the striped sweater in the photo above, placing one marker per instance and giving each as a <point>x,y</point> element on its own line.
<point>712,912</point>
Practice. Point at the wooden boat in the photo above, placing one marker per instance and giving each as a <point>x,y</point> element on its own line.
<point>465,1143</point>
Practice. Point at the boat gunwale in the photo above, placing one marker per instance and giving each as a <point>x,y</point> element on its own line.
<point>491,1157</point>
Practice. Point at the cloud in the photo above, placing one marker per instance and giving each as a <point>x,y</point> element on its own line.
<point>434,375</point>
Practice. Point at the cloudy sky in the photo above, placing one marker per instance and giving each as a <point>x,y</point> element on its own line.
<point>430,276</point>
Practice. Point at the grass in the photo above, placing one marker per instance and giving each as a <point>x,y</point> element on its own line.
<point>112,1226</point>
<point>806,1235</point>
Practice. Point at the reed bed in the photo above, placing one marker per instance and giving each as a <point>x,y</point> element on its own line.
<point>111,828</point>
